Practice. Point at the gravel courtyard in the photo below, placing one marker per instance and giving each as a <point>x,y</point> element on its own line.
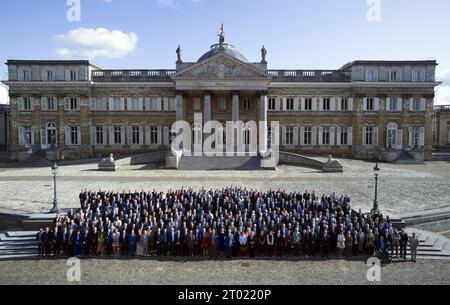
<point>224,272</point>
<point>402,188</point>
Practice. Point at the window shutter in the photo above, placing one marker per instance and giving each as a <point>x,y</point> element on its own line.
<point>77,77</point>
<point>129,104</point>
<point>78,103</point>
<point>422,137</point>
<point>122,104</point>
<point>283,135</point>
<point>277,104</point>
<point>296,104</point>
<point>31,103</point>
<point>423,104</point>
<point>350,104</point>
<point>111,135</point>
<point>166,104</point>
<point>295,135</point>
<point>141,135</point>
<point>67,135</point>
<point>159,135</point>
<point>32,135</point>
<point>320,104</point>
<point>20,103</point>
<point>147,104</point>
<point>93,104</point>
<point>388,104</point>
<point>21,136</point>
<point>141,104</point>
<point>44,140</point>
<point>375,136</point>
<point>320,136</point>
<point>399,139</point>
<point>93,135</point>
<point>411,104</point>
<point>129,135</point>
<point>365,104</point>
<point>302,135</point>
<point>122,135</point>
<point>110,104</point>
<point>364,142</point>
<point>147,135</point>
<point>44,75</point>
<point>44,103</point>
<point>20,75</point>
<point>333,106</point>
<point>166,135</point>
<point>332,136</point>
<point>350,136</point>
<point>67,75</point>
<point>314,136</point>
<point>377,104</point>
<point>410,140</point>
<point>284,104</point>
<point>302,104</point>
<point>399,104</point>
<point>338,136</point>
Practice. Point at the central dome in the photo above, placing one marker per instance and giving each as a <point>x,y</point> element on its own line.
<point>224,48</point>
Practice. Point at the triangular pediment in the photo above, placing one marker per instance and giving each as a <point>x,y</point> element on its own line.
<point>221,66</point>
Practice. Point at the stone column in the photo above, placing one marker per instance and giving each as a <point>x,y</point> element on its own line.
<point>207,107</point>
<point>235,115</point>
<point>263,129</point>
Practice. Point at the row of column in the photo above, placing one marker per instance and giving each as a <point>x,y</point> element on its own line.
<point>263,105</point>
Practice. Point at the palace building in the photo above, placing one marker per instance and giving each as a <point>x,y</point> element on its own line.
<point>380,110</point>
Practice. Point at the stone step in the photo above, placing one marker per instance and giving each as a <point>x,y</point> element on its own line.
<point>220,163</point>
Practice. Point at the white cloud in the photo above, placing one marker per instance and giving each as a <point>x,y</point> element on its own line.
<point>443,91</point>
<point>88,43</point>
<point>4,94</point>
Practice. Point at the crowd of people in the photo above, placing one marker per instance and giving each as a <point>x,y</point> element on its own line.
<point>229,222</point>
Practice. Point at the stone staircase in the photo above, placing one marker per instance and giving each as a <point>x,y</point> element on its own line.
<point>431,245</point>
<point>219,163</point>
<point>18,245</point>
<point>406,158</point>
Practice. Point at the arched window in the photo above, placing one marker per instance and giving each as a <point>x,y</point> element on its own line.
<point>49,135</point>
<point>394,136</point>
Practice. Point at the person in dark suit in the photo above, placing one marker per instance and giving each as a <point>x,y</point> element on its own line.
<point>39,241</point>
<point>57,238</point>
<point>123,241</point>
<point>48,241</point>
<point>325,242</point>
<point>78,243</point>
<point>403,243</point>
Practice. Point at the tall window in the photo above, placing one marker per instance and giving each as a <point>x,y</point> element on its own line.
<point>72,103</point>
<point>415,136</point>
<point>116,104</point>
<point>27,104</point>
<point>344,136</point>
<point>370,76</point>
<point>73,75</point>
<point>368,136</point>
<point>307,136</point>
<point>344,104</point>
<point>326,136</point>
<point>98,104</point>
<point>247,104</point>
<point>118,135</point>
<point>221,104</point>
<point>308,104</point>
<point>26,138</point>
<point>417,104</point>
<point>247,134</point>
<point>154,135</point>
<point>393,76</point>
<point>135,104</point>
<point>272,103</point>
<point>326,104</point>
<point>172,104</point>
<point>391,135</point>
<point>416,75</point>
<point>73,135</point>
<point>196,104</point>
<point>49,103</point>
<point>290,104</point>
<point>99,135</point>
<point>370,104</point>
<point>289,135</point>
<point>135,135</point>
<point>391,104</point>
<point>24,75</point>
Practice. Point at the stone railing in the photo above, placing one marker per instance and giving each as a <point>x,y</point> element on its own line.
<point>310,75</point>
<point>132,75</point>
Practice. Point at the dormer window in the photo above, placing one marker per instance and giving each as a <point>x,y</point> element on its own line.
<point>393,76</point>
<point>370,77</point>
<point>416,76</point>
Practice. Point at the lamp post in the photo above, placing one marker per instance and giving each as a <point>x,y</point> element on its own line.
<point>54,155</point>
<point>376,171</point>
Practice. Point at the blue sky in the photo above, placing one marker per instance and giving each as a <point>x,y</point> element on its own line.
<point>298,34</point>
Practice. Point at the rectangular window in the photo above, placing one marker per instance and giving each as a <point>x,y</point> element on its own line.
<point>73,136</point>
<point>247,104</point>
<point>27,104</point>
<point>344,104</point>
<point>73,75</point>
<point>72,104</point>
<point>153,105</point>
<point>24,75</point>
<point>326,104</point>
<point>27,135</point>
<point>135,135</point>
<point>368,136</point>
<point>416,75</point>
<point>344,136</point>
<point>172,104</point>
<point>308,104</point>
<point>417,106</point>
<point>272,103</point>
<point>326,136</point>
<point>221,104</point>
<point>415,134</point>
<point>290,104</point>
<point>154,136</point>
<point>135,105</point>
<point>116,104</point>
<point>289,135</point>
<point>100,104</point>
<point>393,76</point>
<point>392,104</point>
<point>196,104</point>
<point>370,76</point>
<point>370,104</point>
<point>117,135</point>
<point>99,136</point>
<point>307,136</point>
